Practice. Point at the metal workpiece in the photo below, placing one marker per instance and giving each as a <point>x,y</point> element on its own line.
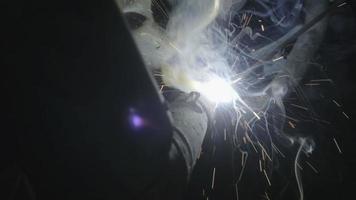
<point>190,116</point>
<point>191,120</point>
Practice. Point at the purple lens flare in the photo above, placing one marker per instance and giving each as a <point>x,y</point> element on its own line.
<point>136,120</point>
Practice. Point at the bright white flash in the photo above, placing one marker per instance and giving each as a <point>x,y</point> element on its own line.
<point>217,90</point>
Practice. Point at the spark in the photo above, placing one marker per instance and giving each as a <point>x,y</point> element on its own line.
<point>247,22</point>
<point>237,192</point>
<point>345,115</point>
<point>249,139</point>
<point>288,117</point>
<point>300,167</point>
<point>258,117</point>
<point>161,89</point>
<point>279,58</point>
<point>311,166</point>
<point>213,181</point>
<point>321,120</point>
<point>265,152</point>
<point>269,182</point>
<point>336,103</point>
<point>262,27</point>
<point>312,84</point>
<point>247,126</point>
<point>245,155</point>
<point>341,4</point>
<point>298,106</point>
<point>279,151</point>
<point>158,75</point>
<point>337,145</point>
<point>322,80</point>
<point>267,196</point>
<point>236,80</point>
<point>291,124</point>
<point>282,76</point>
